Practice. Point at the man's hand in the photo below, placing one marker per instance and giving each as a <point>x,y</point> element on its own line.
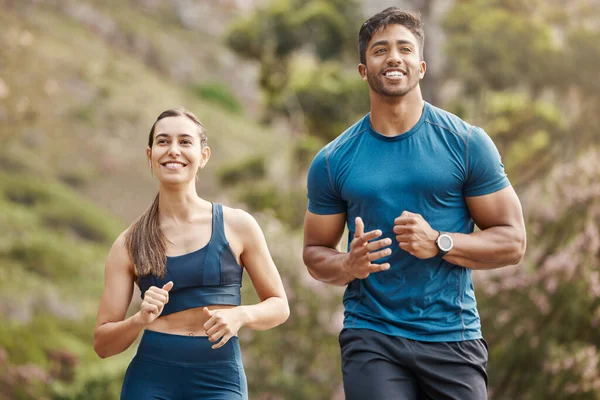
<point>415,235</point>
<point>359,261</point>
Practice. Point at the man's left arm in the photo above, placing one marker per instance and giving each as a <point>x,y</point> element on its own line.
<point>501,240</point>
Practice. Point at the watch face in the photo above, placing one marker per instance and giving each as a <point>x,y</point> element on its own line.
<point>445,242</point>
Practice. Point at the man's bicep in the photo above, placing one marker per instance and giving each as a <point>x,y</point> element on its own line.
<point>501,208</point>
<point>323,230</point>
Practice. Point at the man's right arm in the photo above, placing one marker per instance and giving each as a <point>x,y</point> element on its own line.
<point>322,235</point>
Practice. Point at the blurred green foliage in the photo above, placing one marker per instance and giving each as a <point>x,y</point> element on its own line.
<point>243,171</point>
<point>305,149</point>
<point>264,195</point>
<point>523,70</point>
<point>218,94</point>
<point>51,250</point>
<point>329,98</point>
<point>278,32</point>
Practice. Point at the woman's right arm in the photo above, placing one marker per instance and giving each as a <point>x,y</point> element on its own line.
<point>113,333</point>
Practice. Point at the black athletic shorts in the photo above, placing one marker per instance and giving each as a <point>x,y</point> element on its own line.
<point>381,367</point>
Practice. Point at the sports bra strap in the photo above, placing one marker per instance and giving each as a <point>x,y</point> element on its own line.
<point>218,225</point>
<point>211,273</point>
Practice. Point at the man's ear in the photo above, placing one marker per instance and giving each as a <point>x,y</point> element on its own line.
<point>362,70</point>
<point>422,69</point>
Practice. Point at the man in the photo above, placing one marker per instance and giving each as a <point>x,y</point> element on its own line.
<point>410,180</point>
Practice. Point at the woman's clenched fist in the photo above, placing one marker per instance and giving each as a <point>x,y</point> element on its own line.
<point>155,299</point>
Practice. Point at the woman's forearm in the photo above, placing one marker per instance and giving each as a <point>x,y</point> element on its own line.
<point>113,338</point>
<point>266,314</point>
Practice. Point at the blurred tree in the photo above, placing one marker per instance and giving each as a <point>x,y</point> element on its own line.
<point>525,69</point>
<point>537,49</point>
<point>275,33</point>
<point>331,98</point>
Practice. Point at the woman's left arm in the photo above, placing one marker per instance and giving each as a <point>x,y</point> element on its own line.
<point>273,308</point>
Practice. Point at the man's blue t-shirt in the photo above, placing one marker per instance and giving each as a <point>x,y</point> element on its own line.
<point>428,170</point>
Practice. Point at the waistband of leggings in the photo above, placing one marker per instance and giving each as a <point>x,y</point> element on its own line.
<point>186,350</point>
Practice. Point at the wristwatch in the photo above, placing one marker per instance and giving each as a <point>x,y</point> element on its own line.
<point>444,243</point>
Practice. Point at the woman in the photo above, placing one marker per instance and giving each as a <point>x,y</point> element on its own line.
<point>187,256</point>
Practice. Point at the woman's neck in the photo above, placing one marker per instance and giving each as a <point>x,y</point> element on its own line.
<point>180,203</point>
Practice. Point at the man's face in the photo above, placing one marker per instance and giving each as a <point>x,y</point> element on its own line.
<point>394,66</point>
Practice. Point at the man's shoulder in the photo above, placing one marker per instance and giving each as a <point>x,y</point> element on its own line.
<point>438,118</point>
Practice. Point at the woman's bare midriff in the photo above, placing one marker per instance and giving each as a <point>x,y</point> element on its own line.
<point>187,322</point>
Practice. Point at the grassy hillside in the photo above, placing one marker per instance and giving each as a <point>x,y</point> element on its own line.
<point>78,102</point>
<point>80,85</point>
<point>52,248</point>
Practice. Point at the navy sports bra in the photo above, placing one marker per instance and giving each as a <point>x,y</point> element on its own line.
<point>207,276</point>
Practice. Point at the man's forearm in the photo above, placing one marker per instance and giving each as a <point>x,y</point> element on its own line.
<point>491,248</point>
<point>326,265</point>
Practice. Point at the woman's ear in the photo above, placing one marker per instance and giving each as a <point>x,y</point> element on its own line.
<point>205,156</point>
<point>149,156</point>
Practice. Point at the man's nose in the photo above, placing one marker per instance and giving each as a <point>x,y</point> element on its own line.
<point>394,58</point>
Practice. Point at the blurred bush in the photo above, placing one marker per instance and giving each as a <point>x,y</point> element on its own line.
<point>330,98</point>
<point>220,95</point>
<point>243,171</point>
<point>285,204</point>
<point>305,149</point>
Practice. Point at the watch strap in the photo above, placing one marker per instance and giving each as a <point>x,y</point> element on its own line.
<point>441,253</point>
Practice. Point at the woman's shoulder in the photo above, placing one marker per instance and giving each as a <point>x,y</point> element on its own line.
<point>118,256</point>
<point>240,221</point>
<point>121,240</point>
<point>121,243</point>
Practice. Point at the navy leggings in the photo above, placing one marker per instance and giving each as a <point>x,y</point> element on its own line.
<point>177,367</point>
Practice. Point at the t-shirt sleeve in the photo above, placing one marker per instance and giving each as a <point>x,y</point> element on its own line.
<point>485,171</point>
<point>323,198</point>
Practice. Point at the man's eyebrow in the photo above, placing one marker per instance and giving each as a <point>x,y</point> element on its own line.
<point>379,42</point>
<point>405,41</point>
<point>385,42</point>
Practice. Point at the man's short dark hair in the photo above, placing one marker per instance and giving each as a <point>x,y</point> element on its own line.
<point>410,19</point>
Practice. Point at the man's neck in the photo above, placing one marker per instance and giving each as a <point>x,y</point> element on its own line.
<point>393,116</point>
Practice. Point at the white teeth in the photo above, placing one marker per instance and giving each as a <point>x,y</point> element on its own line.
<point>394,73</point>
<point>173,165</point>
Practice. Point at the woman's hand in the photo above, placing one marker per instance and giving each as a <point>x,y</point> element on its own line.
<point>223,324</point>
<point>154,301</point>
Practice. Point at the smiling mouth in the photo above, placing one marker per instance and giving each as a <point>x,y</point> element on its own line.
<point>173,165</point>
<point>394,74</point>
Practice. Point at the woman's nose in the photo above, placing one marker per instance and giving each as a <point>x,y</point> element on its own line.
<point>174,151</point>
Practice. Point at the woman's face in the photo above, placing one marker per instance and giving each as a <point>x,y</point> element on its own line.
<point>176,152</point>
